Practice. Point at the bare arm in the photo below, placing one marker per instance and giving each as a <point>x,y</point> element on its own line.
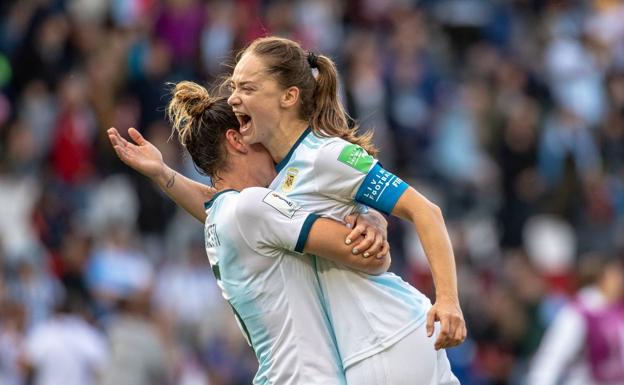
<point>429,223</point>
<point>145,158</point>
<point>326,239</point>
<point>185,192</point>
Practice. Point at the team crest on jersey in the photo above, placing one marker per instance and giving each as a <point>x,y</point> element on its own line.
<point>282,204</point>
<point>356,157</point>
<point>289,181</point>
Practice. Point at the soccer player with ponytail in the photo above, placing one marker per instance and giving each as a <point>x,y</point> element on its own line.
<point>287,99</point>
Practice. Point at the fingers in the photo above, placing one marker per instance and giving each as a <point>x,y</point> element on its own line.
<point>385,250</point>
<point>363,244</point>
<point>350,220</point>
<point>136,136</point>
<point>376,247</point>
<point>452,332</point>
<point>444,337</point>
<point>116,138</point>
<point>120,145</point>
<point>460,335</point>
<point>355,234</point>
<point>121,153</point>
<point>431,316</point>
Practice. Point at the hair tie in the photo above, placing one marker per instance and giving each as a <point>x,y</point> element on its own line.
<point>312,60</point>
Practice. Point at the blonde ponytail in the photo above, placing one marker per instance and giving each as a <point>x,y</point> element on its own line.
<point>329,117</point>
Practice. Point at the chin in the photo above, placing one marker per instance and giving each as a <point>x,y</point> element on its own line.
<point>248,138</point>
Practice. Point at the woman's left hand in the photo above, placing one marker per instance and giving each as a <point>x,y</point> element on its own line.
<point>452,325</point>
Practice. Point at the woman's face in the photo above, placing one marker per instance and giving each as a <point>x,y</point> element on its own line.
<point>255,100</point>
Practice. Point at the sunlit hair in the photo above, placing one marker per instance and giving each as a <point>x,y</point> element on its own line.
<point>287,62</point>
<point>200,122</point>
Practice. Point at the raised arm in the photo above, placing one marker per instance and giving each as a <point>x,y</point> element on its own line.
<point>429,223</point>
<point>145,158</point>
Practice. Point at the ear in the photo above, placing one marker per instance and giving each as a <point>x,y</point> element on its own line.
<point>235,141</point>
<point>290,97</point>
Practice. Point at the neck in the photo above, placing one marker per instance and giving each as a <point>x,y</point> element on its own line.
<point>229,183</point>
<point>285,137</point>
<point>239,175</point>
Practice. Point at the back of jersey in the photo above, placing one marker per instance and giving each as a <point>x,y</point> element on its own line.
<point>252,241</point>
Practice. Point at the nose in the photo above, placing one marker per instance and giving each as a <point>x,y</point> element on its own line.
<point>233,99</point>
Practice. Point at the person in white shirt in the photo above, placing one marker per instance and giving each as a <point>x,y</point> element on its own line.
<point>254,240</point>
<point>286,99</point>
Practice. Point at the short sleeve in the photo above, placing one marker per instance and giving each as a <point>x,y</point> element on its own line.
<point>268,219</point>
<point>345,171</point>
<point>340,168</point>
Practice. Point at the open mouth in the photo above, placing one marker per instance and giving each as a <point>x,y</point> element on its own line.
<point>244,120</point>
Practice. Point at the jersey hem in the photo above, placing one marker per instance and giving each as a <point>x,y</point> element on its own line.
<point>384,344</point>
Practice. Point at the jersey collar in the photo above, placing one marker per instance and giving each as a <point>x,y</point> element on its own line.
<point>282,164</point>
<point>209,203</point>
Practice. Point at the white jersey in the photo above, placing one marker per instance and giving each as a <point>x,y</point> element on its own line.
<point>253,240</point>
<point>330,176</point>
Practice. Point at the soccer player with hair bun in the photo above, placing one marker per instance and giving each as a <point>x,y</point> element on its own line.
<point>255,239</point>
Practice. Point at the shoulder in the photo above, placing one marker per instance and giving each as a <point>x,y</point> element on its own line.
<point>339,152</point>
<point>222,208</point>
<point>314,143</point>
<point>221,196</point>
<point>256,203</point>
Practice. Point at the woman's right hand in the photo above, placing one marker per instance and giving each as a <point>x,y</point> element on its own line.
<point>143,156</point>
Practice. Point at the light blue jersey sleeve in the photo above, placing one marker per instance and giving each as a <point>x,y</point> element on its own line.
<point>346,171</point>
<point>271,221</point>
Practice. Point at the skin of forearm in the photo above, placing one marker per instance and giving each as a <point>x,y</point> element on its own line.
<point>185,192</point>
<point>429,224</point>
<point>326,239</point>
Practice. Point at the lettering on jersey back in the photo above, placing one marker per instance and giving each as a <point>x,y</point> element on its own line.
<point>356,157</point>
<point>212,239</point>
<point>282,204</point>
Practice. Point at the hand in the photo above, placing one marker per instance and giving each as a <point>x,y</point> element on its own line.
<point>143,156</point>
<point>369,234</point>
<point>452,325</point>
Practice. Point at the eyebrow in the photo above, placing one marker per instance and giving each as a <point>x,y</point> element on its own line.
<point>242,83</point>
<point>253,80</point>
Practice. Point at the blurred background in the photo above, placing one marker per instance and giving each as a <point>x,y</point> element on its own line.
<point>507,114</point>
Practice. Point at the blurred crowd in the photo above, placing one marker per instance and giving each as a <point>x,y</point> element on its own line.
<point>509,114</point>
